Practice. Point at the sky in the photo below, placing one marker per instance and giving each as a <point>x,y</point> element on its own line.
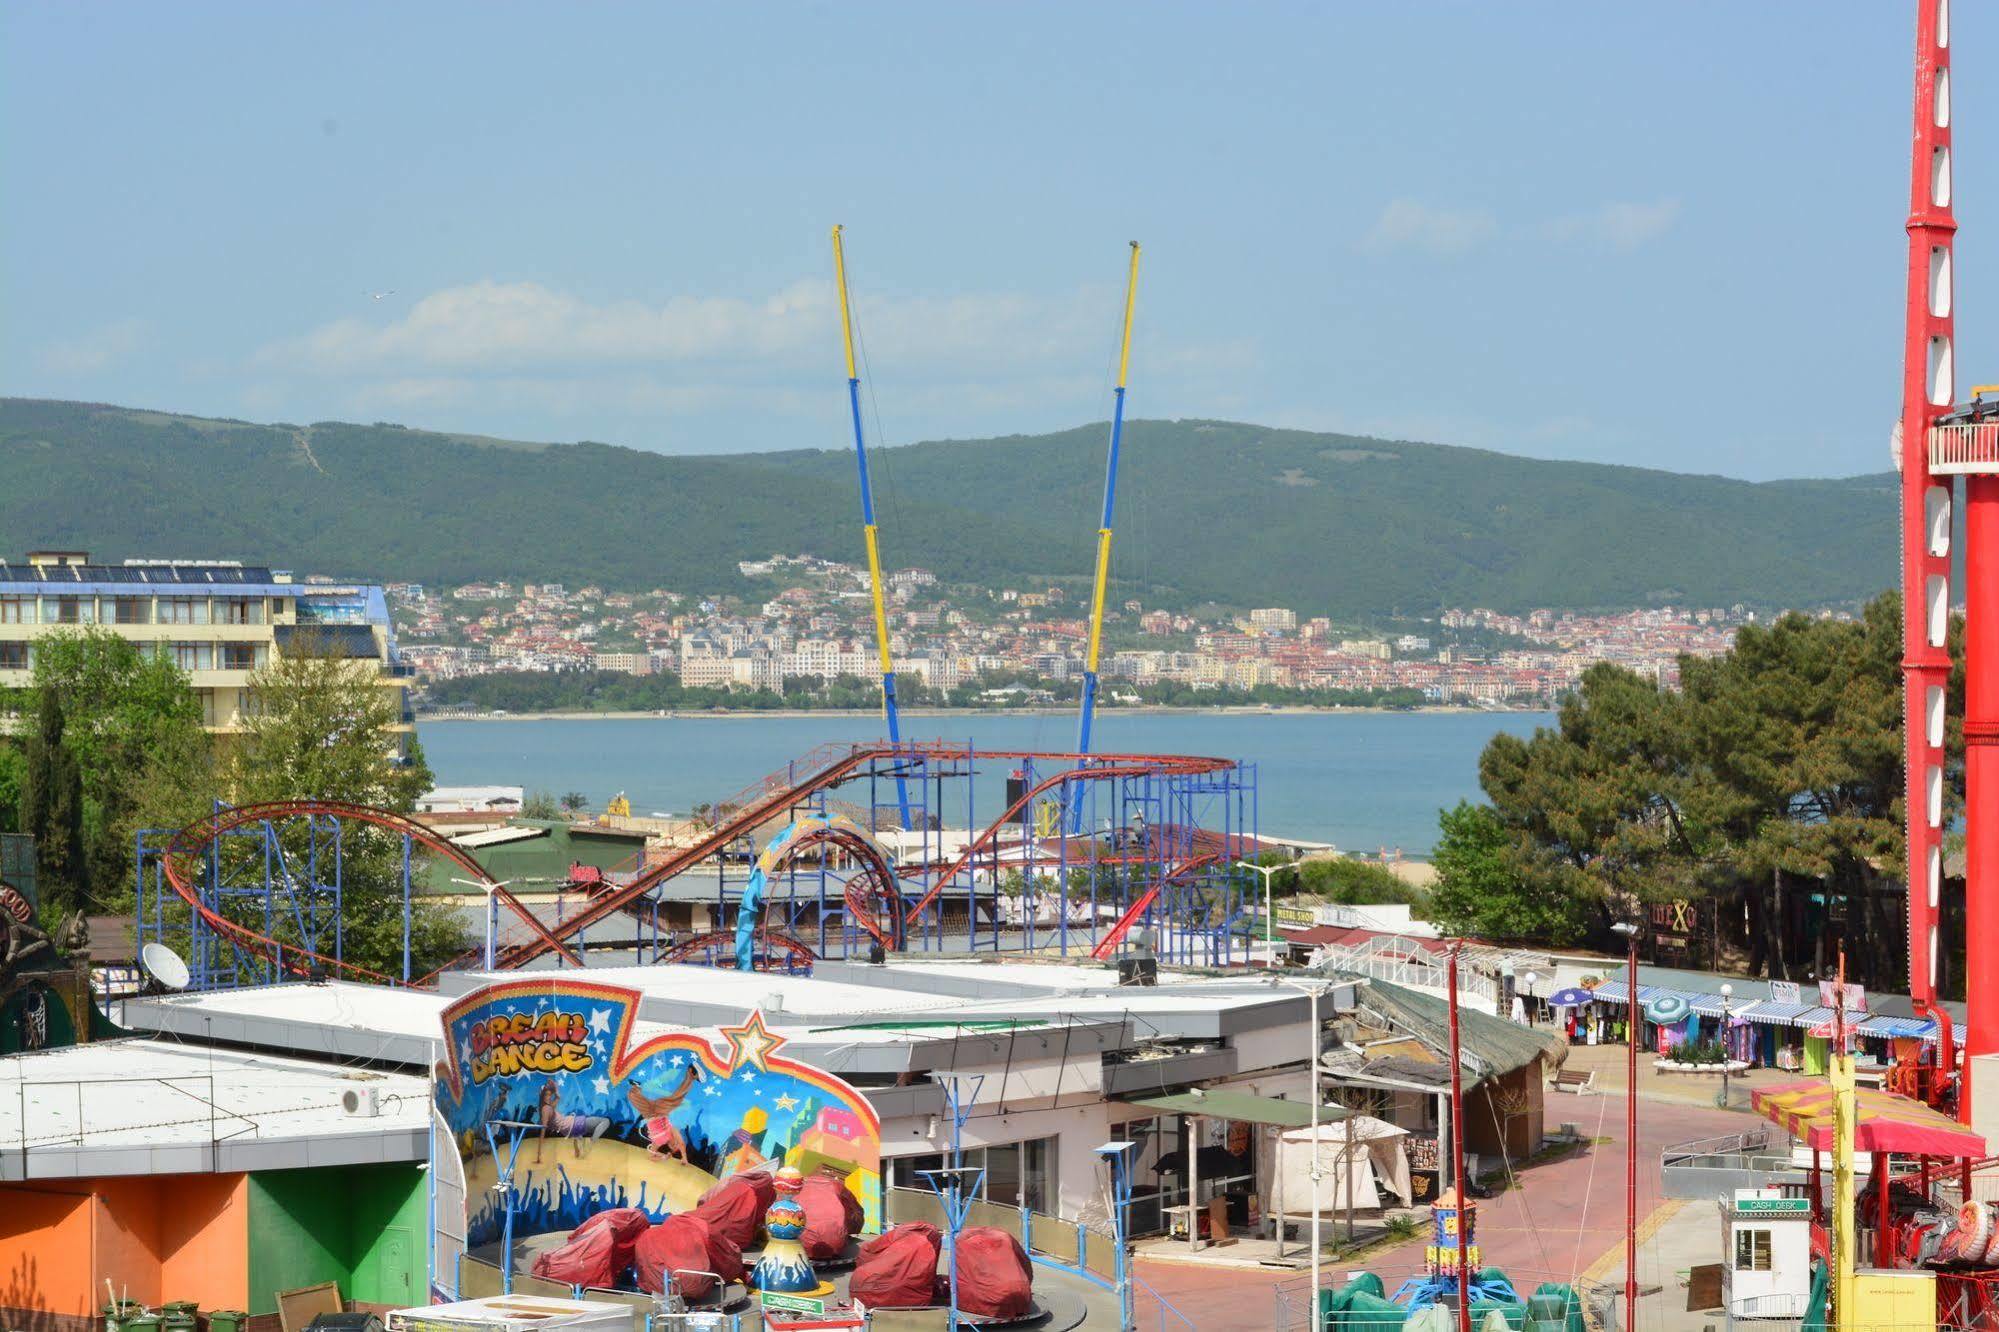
<point>1661,235</point>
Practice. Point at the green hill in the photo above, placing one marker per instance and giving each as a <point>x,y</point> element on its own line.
<point>1208,510</point>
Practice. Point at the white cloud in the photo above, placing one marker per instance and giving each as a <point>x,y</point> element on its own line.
<point>94,351</point>
<point>527,350</point>
<point>495,327</point>
<point>1408,224</point>
<point>1619,225</point>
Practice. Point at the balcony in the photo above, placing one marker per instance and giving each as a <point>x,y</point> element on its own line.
<point>1969,449</point>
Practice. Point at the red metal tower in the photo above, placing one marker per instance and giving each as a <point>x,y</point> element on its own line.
<point>1927,391</point>
<point>1929,456</point>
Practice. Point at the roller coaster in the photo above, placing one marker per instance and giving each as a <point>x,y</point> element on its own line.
<point>1084,850</point>
<point>259,892</point>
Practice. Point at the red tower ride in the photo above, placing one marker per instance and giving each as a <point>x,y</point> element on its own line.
<point>1937,441</point>
<point>1927,392</point>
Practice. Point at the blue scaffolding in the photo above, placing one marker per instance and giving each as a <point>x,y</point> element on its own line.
<point>281,879</point>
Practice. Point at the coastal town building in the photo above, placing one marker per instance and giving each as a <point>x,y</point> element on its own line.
<point>218,620</point>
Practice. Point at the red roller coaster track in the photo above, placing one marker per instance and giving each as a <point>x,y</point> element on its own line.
<point>873,898</point>
<point>829,766</point>
<point>190,843</point>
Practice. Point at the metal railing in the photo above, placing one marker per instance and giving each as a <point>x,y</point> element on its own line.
<point>1750,1145</point>
<point>1416,975</point>
<point>1166,1308</point>
<point>1964,449</point>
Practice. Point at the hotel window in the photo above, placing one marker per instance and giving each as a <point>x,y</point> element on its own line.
<point>17,610</point>
<point>183,610</point>
<point>14,657</point>
<point>69,610</point>
<point>194,656</point>
<point>239,610</point>
<point>1752,1250</point>
<point>241,656</point>
<point>132,610</point>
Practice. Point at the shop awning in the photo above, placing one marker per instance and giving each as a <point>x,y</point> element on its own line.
<point>1243,1106</point>
<point>1884,1122</point>
<point>1897,1026</point>
<point>1772,1013</point>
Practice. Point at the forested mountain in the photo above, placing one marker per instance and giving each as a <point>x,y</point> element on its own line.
<point>1208,510</point>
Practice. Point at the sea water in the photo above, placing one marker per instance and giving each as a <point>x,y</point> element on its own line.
<point>1366,781</point>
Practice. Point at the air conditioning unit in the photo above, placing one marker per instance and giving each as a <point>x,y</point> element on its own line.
<point>362,1102</point>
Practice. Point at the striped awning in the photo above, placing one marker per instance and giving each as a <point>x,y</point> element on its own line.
<point>1613,991</point>
<point>1884,1122</point>
<point>1897,1026</point>
<point>1772,1013</point>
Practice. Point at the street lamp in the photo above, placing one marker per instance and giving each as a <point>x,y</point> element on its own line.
<point>1528,1007</point>
<point>488,887</point>
<point>1727,991</point>
<point>1269,916</point>
<point>1313,991</point>
<point>1630,933</point>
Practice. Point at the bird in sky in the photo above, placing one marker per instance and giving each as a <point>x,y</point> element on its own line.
<point>378,295</point>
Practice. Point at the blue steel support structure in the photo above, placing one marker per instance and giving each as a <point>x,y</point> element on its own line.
<point>868,528</point>
<point>1100,589</point>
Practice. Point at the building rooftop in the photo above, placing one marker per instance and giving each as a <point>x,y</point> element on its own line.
<point>230,576</point>
<point>148,1107</point>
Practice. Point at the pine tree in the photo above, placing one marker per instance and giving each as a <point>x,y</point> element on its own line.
<point>52,812</point>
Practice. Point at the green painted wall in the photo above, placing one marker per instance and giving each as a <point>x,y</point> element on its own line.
<point>391,1236</point>
<point>365,1227</point>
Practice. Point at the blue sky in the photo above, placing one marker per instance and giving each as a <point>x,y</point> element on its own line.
<point>1668,235</point>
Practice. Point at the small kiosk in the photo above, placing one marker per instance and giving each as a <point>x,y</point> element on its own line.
<point>1766,1269</point>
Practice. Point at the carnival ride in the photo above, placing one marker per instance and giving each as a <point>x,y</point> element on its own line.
<point>1926,1215</point>
<point>255,893</point>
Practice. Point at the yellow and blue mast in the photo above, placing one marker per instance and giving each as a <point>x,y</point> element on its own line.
<point>1102,585</point>
<point>868,530</point>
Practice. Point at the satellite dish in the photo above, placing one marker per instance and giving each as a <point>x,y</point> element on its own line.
<point>163,966</point>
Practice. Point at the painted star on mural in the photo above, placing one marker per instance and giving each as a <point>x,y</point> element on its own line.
<point>600,1020</point>
<point>602,1085</point>
<point>751,1043</point>
<point>786,1102</point>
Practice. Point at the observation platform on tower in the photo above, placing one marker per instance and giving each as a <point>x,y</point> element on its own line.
<point>1965,440</point>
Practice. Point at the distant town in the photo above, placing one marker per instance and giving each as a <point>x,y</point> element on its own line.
<point>806,627</point>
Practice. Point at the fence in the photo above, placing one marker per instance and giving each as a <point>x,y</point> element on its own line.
<point>1709,1168</point>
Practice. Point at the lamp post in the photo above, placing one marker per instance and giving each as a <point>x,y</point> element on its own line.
<point>1727,991</point>
<point>488,887</point>
<point>1526,1006</point>
<point>1118,1156</point>
<point>1313,991</point>
<point>1269,915</point>
<point>1630,933</point>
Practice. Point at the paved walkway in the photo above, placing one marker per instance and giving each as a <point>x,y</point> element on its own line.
<point>1608,1063</point>
<point>1567,1217</point>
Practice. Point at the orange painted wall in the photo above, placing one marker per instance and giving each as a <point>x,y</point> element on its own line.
<point>45,1250</point>
<point>157,1238</point>
<point>125,1235</point>
<point>205,1240</point>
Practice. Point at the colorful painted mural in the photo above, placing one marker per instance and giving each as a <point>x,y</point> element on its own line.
<point>547,1073</point>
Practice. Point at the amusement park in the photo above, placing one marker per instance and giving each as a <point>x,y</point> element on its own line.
<point>916,1033</point>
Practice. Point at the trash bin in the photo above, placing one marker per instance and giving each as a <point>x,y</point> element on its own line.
<point>117,1311</point>
<point>140,1322</point>
<point>227,1320</point>
<point>178,1316</point>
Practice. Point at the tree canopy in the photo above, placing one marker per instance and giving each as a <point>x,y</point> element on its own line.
<point>1754,811</point>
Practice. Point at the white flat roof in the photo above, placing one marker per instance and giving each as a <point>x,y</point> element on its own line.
<point>801,997</point>
<point>338,1019</point>
<point>147,1107</point>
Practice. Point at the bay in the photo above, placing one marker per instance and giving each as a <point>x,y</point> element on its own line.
<point>1363,780</point>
